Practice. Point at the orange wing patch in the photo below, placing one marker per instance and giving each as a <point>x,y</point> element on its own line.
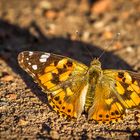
<point>106,108</point>
<point>64,101</point>
<point>56,72</point>
<point>107,115</point>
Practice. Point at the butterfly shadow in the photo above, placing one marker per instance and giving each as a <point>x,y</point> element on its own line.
<point>14,39</point>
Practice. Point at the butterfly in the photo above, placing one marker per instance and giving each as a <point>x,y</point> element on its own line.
<point>72,87</point>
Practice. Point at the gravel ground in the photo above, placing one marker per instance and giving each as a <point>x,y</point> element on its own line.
<point>52,26</point>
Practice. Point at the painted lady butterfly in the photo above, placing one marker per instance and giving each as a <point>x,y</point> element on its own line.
<point>72,87</point>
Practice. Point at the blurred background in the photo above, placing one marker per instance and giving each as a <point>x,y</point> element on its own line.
<point>67,28</point>
<point>52,25</point>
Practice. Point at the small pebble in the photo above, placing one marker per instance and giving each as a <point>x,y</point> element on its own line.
<point>54,134</point>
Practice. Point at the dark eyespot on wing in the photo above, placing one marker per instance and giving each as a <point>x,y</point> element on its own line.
<point>120,74</point>
<point>69,64</point>
<point>55,63</point>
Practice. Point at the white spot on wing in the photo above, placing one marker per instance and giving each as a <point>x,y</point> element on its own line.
<point>34,67</point>
<point>30,53</point>
<point>27,58</point>
<point>44,57</point>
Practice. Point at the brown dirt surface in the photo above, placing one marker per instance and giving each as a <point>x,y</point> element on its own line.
<point>51,26</point>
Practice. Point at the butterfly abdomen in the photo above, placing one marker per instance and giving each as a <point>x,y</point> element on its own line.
<point>89,99</point>
<point>88,103</point>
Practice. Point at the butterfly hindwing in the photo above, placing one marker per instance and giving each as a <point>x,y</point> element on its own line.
<point>55,75</point>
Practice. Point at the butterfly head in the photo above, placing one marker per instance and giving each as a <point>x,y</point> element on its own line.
<point>95,68</point>
<point>96,63</point>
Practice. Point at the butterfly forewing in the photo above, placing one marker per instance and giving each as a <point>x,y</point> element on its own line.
<point>56,76</point>
<point>127,85</point>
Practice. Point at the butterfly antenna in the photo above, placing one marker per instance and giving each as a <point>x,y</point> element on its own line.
<point>115,38</point>
<point>78,38</point>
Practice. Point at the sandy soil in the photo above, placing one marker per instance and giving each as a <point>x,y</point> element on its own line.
<point>51,26</point>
